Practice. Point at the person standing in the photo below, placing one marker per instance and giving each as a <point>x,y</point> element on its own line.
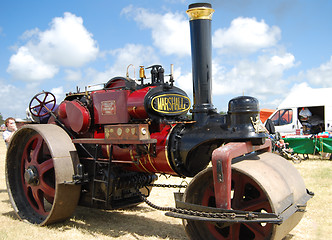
<point>11,128</point>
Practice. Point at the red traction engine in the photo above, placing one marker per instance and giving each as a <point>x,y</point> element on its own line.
<point>103,149</point>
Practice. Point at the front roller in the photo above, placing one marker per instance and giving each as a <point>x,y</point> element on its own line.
<point>40,160</point>
<point>259,183</point>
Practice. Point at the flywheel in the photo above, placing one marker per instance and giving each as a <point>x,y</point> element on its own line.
<point>39,165</point>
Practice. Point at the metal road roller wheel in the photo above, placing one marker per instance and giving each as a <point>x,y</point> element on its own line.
<point>267,183</point>
<point>40,160</point>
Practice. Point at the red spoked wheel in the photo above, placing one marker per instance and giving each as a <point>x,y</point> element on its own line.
<point>39,168</point>
<point>247,195</point>
<point>37,173</point>
<point>42,103</point>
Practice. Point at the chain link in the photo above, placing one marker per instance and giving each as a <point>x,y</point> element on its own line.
<point>167,185</point>
<point>188,212</point>
<point>183,211</point>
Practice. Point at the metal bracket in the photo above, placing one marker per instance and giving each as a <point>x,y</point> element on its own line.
<point>220,175</point>
<point>80,177</point>
<point>222,171</point>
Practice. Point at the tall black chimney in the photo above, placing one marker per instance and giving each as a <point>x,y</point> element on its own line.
<point>201,52</point>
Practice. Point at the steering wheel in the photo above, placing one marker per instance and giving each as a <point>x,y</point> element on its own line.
<point>42,100</point>
<point>283,121</point>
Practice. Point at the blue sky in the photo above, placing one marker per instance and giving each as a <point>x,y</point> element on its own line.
<point>260,48</point>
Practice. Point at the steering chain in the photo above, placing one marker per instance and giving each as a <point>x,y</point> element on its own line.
<point>186,211</point>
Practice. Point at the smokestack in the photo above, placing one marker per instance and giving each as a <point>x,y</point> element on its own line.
<point>201,52</point>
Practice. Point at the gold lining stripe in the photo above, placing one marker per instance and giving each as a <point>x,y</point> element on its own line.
<point>166,152</point>
<point>143,166</point>
<point>150,159</point>
<point>108,151</point>
<point>133,159</point>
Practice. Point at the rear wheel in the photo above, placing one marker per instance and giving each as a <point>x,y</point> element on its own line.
<point>40,159</point>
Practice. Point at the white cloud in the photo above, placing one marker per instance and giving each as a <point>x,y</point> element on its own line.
<point>170,32</point>
<point>66,43</point>
<point>134,54</point>
<point>260,78</point>
<point>300,87</point>
<point>14,100</point>
<point>58,93</point>
<point>322,75</point>
<point>183,80</point>
<point>23,65</point>
<point>246,35</point>
<point>72,75</point>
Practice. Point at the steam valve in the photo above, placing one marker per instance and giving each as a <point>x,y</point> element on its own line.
<point>157,74</point>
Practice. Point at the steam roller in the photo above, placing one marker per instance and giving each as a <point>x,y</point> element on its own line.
<point>103,148</point>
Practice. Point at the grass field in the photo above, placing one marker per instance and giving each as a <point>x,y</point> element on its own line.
<point>142,222</point>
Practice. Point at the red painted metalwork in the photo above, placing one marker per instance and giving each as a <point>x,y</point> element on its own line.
<point>155,161</point>
<point>161,161</point>
<point>117,82</point>
<point>43,186</point>
<point>110,106</point>
<point>135,103</point>
<point>78,116</point>
<point>62,109</point>
<point>222,171</point>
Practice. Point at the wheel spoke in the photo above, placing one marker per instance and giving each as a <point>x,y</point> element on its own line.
<point>47,189</point>
<point>209,192</point>
<point>235,231</point>
<point>38,198</point>
<point>256,205</point>
<point>35,152</point>
<point>238,191</point>
<point>45,97</point>
<point>36,98</point>
<point>45,166</point>
<point>26,158</point>
<point>44,186</point>
<point>257,229</point>
<point>50,101</point>
<point>40,109</point>
<point>36,106</point>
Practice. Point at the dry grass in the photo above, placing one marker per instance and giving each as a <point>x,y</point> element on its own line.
<point>145,223</point>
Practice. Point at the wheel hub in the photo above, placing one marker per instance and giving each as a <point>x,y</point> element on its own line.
<point>31,176</point>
